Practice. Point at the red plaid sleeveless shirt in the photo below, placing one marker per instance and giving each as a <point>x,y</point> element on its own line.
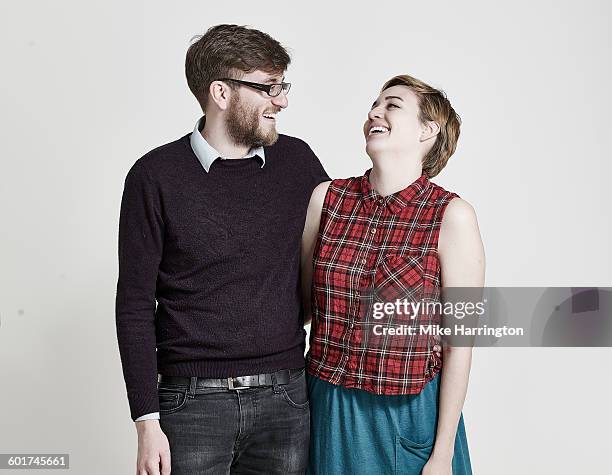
<point>375,249</point>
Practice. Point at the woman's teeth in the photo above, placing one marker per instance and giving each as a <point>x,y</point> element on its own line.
<point>378,130</point>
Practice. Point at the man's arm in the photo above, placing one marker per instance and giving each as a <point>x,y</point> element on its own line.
<point>141,231</point>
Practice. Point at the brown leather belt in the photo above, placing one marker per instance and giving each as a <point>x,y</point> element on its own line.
<point>239,382</point>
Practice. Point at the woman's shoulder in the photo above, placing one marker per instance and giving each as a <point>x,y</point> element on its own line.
<point>346,182</point>
<point>318,195</point>
<point>344,186</point>
<point>459,210</point>
<point>333,192</point>
<point>438,192</point>
<point>329,189</point>
<point>455,209</point>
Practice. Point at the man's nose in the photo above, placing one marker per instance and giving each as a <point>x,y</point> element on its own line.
<point>280,100</point>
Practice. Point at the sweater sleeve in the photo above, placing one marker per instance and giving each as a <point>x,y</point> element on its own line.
<point>141,231</point>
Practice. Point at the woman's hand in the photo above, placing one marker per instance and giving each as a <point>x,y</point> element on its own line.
<point>438,466</point>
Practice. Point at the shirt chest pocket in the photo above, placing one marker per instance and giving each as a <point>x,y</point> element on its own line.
<point>399,276</point>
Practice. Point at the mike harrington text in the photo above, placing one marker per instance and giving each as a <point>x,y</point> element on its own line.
<point>456,330</point>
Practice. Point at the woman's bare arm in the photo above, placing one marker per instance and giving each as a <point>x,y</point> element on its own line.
<point>309,239</point>
<point>462,262</point>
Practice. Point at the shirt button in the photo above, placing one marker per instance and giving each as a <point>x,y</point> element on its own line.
<point>363,261</point>
<point>381,201</point>
<point>352,325</point>
<point>373,230</point>
<point>346,358</point>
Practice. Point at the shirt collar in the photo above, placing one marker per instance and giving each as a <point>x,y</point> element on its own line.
<point>396,201</point>
<point>207,154</point>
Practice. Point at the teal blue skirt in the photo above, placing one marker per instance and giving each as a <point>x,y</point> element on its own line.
<point>356,432</point>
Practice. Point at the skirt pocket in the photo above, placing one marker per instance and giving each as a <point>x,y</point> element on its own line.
<point>411,457</point>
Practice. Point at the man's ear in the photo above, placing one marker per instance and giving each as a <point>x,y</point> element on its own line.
<point>430,129</point>
<point>219,92</point>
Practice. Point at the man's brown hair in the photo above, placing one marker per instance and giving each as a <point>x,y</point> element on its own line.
<point>230,51</point>
<point>433,106</point>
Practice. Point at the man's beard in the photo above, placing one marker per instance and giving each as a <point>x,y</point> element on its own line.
<point>243,125</point>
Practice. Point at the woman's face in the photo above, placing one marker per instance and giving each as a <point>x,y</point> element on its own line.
<point>393,126</point>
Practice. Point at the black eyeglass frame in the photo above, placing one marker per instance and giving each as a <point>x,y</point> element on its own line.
<point>267,88</point>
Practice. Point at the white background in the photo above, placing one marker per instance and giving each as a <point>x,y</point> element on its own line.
<point>87,88</point>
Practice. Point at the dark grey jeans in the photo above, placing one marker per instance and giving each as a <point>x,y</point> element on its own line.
<point>262,430</point>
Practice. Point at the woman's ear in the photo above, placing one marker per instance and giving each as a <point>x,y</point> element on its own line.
<point>430,129</point>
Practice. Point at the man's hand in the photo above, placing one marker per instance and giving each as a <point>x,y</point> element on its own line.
<point>153,449</point>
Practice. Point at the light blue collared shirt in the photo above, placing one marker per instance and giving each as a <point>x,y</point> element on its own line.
<point>207,154</point>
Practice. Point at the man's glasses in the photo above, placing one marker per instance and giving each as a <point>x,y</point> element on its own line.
<point>273,90</point>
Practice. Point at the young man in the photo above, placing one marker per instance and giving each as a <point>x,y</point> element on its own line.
<point>210,228</point>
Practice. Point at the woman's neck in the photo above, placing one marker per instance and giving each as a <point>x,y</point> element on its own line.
<point>390,177</point>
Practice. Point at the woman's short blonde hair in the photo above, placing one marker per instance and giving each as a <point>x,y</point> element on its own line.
<point>433,106</point>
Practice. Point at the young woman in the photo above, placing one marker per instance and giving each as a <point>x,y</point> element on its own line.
<point>383,401</point>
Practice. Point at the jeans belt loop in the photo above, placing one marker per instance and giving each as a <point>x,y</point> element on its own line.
<point>275,384</point>
<point>192,386</point>
<point>230,383</point>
